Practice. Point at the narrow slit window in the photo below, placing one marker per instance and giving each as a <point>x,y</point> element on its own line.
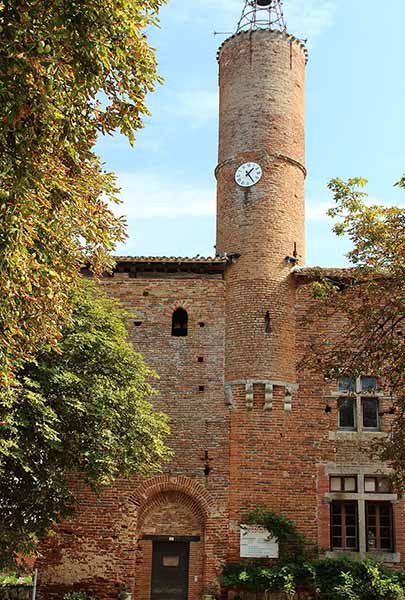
<point>180,323</point>
<point>267,323</point>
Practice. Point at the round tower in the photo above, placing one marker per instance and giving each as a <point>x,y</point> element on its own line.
<point>260,199</point>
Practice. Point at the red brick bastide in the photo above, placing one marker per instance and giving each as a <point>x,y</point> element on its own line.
<point>225,335</point>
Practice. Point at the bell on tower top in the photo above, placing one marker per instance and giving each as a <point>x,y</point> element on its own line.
<point>262,14</point>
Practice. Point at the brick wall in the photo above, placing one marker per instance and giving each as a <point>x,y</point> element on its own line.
<point>334,451</point>
<point>237,403</point>
<point>100,551</point>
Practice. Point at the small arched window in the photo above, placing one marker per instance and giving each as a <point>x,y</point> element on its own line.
<point>180,323</point>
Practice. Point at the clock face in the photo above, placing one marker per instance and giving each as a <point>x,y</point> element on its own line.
<point>248,174</point>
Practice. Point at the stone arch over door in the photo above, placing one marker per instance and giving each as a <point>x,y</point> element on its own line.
<point>176,508</point>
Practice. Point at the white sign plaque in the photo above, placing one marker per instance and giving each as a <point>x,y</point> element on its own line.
<point>256,542</point>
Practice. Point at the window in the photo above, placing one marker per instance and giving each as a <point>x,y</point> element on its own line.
<point>347,414</point>
<point>370,413</point>
<point>377,485</point>
<point>357,408</point>
<point>369,384</point>
<point>180,323</point>
<point>379,526</point>
<point>361,512</point>
<point>346,384</point>
<point>343,484</point>
<point>344,526</point>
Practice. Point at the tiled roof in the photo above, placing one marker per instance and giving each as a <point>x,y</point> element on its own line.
<point>171,259</point>
<point>315,272</point>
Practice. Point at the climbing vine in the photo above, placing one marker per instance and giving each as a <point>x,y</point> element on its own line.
<point>298,569</point>
<point>292,543</point>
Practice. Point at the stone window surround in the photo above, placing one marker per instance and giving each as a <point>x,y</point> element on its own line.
<point>358,395</point>
<point>361,497</point>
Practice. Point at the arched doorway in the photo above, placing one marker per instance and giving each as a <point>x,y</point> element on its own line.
<point>170,557</point>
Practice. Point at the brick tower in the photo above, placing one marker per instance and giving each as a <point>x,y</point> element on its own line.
<point>260,222</point>
<point>261,121</point>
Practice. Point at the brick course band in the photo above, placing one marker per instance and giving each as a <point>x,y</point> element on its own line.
<point>261,156</point>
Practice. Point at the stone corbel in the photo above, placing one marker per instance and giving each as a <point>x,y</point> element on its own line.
<point>268,396</point>
<point>288,398</point>
<point>249,395</point>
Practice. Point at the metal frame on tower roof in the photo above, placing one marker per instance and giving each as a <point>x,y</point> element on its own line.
<point>262,14</point>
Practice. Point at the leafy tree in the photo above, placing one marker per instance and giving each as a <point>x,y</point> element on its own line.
<point>82,410</point>
<point>69,71</point>
<point>369,302</point>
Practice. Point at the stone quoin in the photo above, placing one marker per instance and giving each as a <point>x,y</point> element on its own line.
<point>248,428</point>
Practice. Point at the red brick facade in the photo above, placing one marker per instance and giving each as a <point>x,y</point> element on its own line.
<point>248,429</point>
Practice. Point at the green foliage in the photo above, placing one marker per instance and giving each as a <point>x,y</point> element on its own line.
<point>366,580</point>
<point>367,303</point>
<point>292,543</point>
<point>259,576</point>
<point>70,71</point>
<point>82,410</point>
<point>78,596</point>
<point>15,579</point>
<point>330,579</point>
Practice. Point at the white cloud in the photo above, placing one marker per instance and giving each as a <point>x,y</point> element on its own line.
<point>146,196</point>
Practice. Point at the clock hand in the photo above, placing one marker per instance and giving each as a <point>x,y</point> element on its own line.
<point>249,175</point>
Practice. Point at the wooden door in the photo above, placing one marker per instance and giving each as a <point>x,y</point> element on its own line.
<point>170,570</point>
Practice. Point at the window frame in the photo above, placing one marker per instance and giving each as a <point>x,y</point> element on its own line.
<point>376,479</point>
<point>343,515</point>
<point>352,389</point>
<point>364,399</point>
<point>342,484</point>
<point>378,506</point>
<point>341,400</point>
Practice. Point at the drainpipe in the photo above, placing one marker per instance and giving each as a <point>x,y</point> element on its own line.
<point>34,589</point>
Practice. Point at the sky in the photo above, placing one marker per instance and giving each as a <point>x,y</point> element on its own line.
<point>355,121</point>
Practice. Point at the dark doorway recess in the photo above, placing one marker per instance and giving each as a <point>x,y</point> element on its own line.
<point>170,563</point>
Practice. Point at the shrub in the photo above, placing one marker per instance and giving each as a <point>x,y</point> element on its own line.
<point>257,576</point>
<point>15,579</point>
<point>331,579</point>
<point>372,582</point>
